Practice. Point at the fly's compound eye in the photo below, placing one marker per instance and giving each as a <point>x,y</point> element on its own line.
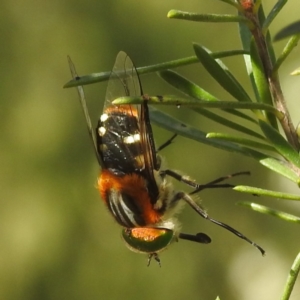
<point>148,240</point>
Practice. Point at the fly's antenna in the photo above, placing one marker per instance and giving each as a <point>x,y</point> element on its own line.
<point>85,110</point>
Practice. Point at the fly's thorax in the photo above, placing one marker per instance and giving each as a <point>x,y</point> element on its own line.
<point>167,200</point>
<point>165,191</point>
<point>159,162</point>
<point>119,140</point>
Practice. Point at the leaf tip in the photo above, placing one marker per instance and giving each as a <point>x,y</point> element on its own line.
<point>296,72</point>
<point>68,84</point>
<point>172,13</point>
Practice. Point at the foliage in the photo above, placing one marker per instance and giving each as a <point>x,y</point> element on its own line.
<point>274,142</point>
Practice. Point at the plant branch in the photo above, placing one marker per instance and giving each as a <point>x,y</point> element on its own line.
<point>272,77</point>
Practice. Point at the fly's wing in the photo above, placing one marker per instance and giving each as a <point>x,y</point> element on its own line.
<point>85,110</point>
<point>123,81</point>
<point>149,153</point>
<point>122,137</point>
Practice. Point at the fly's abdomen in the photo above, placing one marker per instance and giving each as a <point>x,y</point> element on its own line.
<point>128,199</point>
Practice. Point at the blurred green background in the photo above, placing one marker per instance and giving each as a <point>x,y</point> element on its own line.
<point>57,239</point>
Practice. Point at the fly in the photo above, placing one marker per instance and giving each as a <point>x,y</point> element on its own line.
<point>132,183</point>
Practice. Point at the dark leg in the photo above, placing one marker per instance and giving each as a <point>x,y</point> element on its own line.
<point>213,184</point>
<point>167,143</point>
<point>203,214</point>
<point>155,256</point>
<point>200,237</point>
<point>199,187</point>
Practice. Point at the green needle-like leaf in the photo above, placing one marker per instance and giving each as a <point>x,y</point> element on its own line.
<point>261,83</point>
<point>246,38</point>
<point>262,20</point>
<point>296,72</point>
<point>221,74</point>
<point>291,280</point>
<point>176,126</point>
<point>192,102</point>
<point>215,18</point>
<point>103,76</point>
<point>228,123</point>
<point>270,211</point>
<point>282,146</point>
<point>280,167</point>
<point>288,31</point>
<point>263,192</point>
<point>240,115</point>
<point>231,2</point>
<point>291,44</point>
<point>169,123</point>
<point>239,140</point>
<point>273,13</point>
<point>165,121</point>
<point>259,76</point>
<point>186,86</point>
<point>193,90</point>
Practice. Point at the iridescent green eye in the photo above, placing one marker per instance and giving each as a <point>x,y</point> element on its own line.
<point>147,239</point>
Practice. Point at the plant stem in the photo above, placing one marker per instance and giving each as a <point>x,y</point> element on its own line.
<point>272,77</point>
<point>291,279</point>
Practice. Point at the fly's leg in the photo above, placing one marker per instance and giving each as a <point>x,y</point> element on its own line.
<point>167,143</point>
<point>199,187</point>
<point>155,256</point>
<point>187,198</point>
<point>199,237</point>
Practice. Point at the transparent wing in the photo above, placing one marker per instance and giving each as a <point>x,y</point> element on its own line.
<point>85,110</point>
<point>123,81</point>
<point>128,139</point>
<point>119,145</point>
